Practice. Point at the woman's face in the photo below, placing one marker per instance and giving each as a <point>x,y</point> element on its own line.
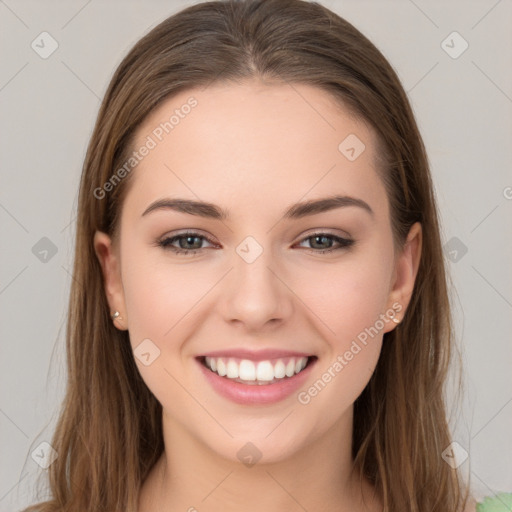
<point>230,178</point>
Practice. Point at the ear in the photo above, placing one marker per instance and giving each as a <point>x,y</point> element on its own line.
<point>404,275</point>
<point>110,264</point>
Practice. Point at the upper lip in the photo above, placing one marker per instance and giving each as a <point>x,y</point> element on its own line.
<point>255,355</point>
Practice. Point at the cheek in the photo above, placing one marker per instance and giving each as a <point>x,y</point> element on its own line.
<point>349,300</point>
<point>159,295</point>
<point>159,300</point>
<point>347,296</point>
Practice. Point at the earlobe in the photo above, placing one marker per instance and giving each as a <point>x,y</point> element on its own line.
<point>109,262</point>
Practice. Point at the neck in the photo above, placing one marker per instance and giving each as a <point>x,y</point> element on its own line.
<point>191,477</point>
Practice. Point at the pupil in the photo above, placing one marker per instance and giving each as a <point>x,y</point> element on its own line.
<point>319,239</point>
<point>189,240</point>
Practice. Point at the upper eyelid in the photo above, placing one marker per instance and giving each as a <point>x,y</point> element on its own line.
<point>184,234</point>
<point>303,237</point>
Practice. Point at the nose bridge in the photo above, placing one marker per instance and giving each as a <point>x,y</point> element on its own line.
<point>257,295</point>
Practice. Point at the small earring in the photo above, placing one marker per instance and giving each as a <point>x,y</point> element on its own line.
<point>116,315</point>
<point>396,320</point>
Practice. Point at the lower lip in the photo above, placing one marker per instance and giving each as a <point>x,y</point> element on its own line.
<point>257,394</point>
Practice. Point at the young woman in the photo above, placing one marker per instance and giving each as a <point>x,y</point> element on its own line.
<point>259,317</point>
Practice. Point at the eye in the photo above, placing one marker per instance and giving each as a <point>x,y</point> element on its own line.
<point>191,242</point>
<point>326,242</point>
<point>184,243</point>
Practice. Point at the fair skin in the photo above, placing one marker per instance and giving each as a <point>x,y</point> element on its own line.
<point>254,150</point>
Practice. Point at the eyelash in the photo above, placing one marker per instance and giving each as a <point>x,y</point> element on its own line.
<point>165,243</point>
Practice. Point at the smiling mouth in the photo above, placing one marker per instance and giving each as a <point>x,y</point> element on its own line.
<point>257,373</point>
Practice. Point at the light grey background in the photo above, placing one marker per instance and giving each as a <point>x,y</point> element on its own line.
<point>48,106</point>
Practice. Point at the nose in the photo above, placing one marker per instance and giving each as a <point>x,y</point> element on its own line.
<point>256,296</point>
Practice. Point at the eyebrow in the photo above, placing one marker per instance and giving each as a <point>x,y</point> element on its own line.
<point>296,211</point>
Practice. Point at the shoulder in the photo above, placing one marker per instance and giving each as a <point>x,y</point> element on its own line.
<point>471,505</point>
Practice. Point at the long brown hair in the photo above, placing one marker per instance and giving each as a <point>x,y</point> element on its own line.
<point>109,434</point>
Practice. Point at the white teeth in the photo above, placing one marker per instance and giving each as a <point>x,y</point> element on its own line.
<point>247,370</point>
<point>263,371</point>
<point>232,369</point>
<point>279,370</point>
<point>221,368</point>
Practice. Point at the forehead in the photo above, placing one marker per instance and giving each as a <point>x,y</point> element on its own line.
<point>254,141</point>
